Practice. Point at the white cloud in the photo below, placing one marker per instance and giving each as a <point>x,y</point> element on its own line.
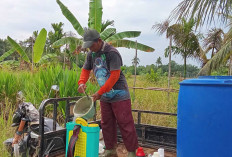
<point>19,18</point>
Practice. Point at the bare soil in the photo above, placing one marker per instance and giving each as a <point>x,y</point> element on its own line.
<point>122,152</point>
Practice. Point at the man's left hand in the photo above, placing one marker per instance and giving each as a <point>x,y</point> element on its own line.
<point>96,96</point>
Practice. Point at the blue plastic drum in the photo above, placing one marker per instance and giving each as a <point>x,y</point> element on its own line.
<point>204,121</point>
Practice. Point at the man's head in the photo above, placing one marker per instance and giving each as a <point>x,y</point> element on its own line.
<point>92,40</point>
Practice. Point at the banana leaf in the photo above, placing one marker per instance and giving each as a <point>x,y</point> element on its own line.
<point>76,25</point>
<point>45,58</point>
<point>122,35</point>
<point>10,62</point>
<point>95,14</point>
<point>131,44</point>
<point>18,48</point>
<point>72,41</point>
<point>6,54</point>
<point>39,45</point>
<point>107,33</point>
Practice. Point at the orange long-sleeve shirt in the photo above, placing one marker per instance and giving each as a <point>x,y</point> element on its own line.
<point>114,76</point>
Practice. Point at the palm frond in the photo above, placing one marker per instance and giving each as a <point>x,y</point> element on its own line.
<point>214,38</point>
<point>202,10</point>
<point>161,27</point>
<point>218,59</point>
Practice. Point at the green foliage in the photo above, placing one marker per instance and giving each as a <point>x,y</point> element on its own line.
<point>6,54</point>
<point>36,86</point>
<point>71,18</point>
<point>4,46</point>
<point>203,11</point>
<point>72,41</point>
<point>122,35</point>
<point>95,15</point>
<point>107,33</point>
<point>153,76</point>
<point>177,70</point>
<point>19,49</point>
<point>131,44</point>
<point>95,21</point>
<point>222,71</point>
<point>6,131</point>
<point>39,45</point>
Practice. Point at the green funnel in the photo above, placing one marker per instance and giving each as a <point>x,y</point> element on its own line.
<point>84,108</point>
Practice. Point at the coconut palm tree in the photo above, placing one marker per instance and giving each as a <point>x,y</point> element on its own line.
<point>186,41</point>
<point>95,22</point>
<point>213,41</point>
<point>223,56</point>
<point>161,28</point>
<point>202,10</point>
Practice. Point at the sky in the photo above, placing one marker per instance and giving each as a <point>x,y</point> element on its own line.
<point>19,18</point>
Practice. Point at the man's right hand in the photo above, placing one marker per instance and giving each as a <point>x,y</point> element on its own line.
<point>81,88</point>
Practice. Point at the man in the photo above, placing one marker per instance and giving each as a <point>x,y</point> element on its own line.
<point>106,62</point>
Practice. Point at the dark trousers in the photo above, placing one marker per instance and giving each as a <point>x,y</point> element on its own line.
<point>118,113</point>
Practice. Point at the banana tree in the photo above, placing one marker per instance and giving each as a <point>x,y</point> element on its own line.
<point>108,34</point>
<point>37,49</point>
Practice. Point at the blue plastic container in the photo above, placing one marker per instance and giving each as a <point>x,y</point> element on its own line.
<point>204,122</point>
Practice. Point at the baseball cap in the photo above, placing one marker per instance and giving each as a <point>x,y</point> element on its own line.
<point>90,36</point>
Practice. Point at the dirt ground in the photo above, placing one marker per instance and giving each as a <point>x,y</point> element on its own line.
<point>122,152</point>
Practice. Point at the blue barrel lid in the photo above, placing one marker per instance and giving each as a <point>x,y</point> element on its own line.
<point>215,77</point>
<point>209,80</point>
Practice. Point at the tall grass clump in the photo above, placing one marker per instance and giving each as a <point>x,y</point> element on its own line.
<point>36,85</point>
<point>6,130</point>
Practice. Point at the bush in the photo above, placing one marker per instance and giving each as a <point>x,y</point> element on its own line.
<point>154,76</point>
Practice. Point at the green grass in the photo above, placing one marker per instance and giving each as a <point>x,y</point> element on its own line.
<point>6,130</point>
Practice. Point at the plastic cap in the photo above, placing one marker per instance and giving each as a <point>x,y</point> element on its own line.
<point>93,125</point>
<point>161,152</point>
<point>140,152</point>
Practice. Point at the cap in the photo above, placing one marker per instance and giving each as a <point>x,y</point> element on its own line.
<point>90,36</point>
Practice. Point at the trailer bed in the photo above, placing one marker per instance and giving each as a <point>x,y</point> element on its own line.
<point>150,137</point>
